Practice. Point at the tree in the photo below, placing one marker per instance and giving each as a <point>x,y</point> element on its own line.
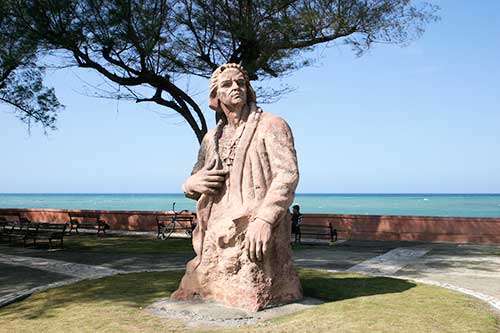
<point>21,80</point>
<point>153,43</point>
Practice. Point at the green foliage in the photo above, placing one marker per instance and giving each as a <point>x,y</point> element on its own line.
<point>32,101</point>
<point>21,80</point>
<point>153,43</point>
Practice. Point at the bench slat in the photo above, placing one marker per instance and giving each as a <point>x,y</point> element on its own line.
<point>317,230</point>
<point>79,220</point>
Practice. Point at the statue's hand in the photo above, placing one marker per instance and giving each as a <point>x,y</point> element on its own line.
<point>257,239</point>
<point>206,181</point>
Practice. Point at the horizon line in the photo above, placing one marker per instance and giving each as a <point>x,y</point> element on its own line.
<point>297,193</point>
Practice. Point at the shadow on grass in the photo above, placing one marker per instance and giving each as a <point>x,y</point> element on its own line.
<point>16,278</point>
<point>142,289</point>
<point>129,290</point>
<point>341,286</point>
<point>127,244</point>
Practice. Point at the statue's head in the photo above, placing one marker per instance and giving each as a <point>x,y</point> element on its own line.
<point>229,84</point>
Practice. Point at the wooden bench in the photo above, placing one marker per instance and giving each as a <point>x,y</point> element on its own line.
<point>24,231</point>
<point>6,227</point>
<point>21,231</point>
<point>50,231</point>
<point>84,220</point>
<point>174,223</point>
<point>319,231</point>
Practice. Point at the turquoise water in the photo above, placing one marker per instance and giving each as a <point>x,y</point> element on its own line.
<point>468,205</point>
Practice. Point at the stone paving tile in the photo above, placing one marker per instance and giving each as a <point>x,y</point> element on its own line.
<point>16,278</point>
<point>390,262</point>
<point>328,259</point>
<point>126,262</point>
<point>341,256</point>
<point>468,268</point>
<point>479,272</point>
<point>58,266</point>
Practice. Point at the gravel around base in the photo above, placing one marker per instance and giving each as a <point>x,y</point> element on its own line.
<point>216,315</point>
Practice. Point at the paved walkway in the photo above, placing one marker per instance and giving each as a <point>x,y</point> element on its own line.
<point>470,269</point>
<point>61,267</point>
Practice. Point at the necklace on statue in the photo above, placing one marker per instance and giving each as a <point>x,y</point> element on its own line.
<point>230,143</point>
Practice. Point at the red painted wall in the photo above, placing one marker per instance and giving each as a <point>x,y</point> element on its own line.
<point>378,227</point>
<point>411,228</point>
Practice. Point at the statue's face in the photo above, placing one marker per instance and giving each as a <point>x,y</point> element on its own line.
<point>232,88</point>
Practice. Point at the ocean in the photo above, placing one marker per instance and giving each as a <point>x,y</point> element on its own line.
<point>466,205</point>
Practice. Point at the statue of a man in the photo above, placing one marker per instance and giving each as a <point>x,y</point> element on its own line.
<point>244,181</point>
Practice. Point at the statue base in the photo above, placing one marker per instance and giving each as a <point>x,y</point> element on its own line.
<point>223,272</point>
<point>199,313</point>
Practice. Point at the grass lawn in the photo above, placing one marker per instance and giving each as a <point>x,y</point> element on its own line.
<point>126,244</point>
<point>144,244</point>
<point>354,303</point>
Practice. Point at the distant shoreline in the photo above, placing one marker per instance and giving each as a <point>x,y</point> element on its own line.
<point>298,193</point>
<point>401,204</point>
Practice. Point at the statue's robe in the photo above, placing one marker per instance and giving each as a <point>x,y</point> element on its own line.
<point>261,184</point>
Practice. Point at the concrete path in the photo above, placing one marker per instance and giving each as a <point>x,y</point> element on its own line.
<point>24,271</point>
<point>470,269</point>
<point>390,262</point>
<point>81,271</point>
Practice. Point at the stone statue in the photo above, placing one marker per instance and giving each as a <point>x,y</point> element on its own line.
<point>244,181</point>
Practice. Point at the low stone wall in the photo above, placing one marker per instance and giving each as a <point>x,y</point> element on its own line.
<point>411,228</point>
<point>377,227</point>
<point>118,220</point>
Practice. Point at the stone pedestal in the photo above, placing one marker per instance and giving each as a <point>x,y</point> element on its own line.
<point>227,276</point>
<point>199,314</point>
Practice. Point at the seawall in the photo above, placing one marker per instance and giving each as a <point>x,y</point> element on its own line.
<point>376,227</point>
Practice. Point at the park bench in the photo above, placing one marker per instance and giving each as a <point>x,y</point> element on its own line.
<point>3,224</point>
<point>83,220</point>
<point>24,231</point>
<point>5,228</point>
<point>50,231</point>
<point>21,231</point>
<point>174,223</point>
<point>319,231</point>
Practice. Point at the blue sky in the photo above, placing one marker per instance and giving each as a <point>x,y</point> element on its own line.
<point>423,118</point>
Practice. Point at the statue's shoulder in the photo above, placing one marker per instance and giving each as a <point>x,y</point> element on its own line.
<point>270,120</point>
